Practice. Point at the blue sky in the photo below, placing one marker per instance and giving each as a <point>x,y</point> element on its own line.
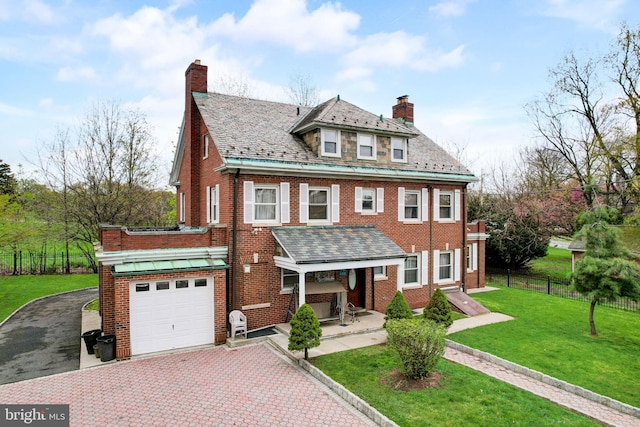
<point>469,66</point>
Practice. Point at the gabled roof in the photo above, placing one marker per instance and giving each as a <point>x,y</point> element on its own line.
<point>336,243</point>
<point>263,135</point>
<point>342,114</point>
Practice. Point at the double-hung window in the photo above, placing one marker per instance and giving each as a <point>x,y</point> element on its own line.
<point>411,270</point>
<point>445,266</point>
<point>266,206</point>
<point>205,143</point>
<point>330,141</point>
<point>366,147</point>
<point>411,205</point>
<point>289,279</point>
<point>183,207</point>
<point>399,150</point>
<point>320,205</point>
<point>213,204</point>
<point>369,200</point>
<point>446,205</point>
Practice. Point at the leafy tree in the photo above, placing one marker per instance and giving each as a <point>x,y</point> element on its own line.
<point>305,330</point>
<point>7,180</point>
<point>438,309</point>
<point>605,271</point>
<point>397,309</point>
<point>419,343</point>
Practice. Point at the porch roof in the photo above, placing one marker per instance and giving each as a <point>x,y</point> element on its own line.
<point>332,244</point>
<point>149,267</point>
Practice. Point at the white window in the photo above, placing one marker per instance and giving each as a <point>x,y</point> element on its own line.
<point>289,279</point>
<point>380,272</point>
<point>213,204</point>
<point>319,204</point>
<point>330,141</point>
<point>399,150</point>
<point>183,207</point>
<point>446,205</point>
<point>206,147</point>
<point>366,146</point>
<point>472,257</point>
<point>446,268</point>
<point>411,205</point>
<point>266,203</point>
<point>369,200</point>
<point>411,270</point>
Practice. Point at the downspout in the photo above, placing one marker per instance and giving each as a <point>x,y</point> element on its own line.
<point>231,285</point>
<point>465,247</point>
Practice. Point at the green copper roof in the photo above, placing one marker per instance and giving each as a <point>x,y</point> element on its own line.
<point>148,267</point>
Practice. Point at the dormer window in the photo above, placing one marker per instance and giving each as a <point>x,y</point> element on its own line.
<point>399,150</point>
<point>330,143</point>
<point>366,147</point>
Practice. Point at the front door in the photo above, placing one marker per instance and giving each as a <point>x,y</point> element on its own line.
<point>357,287</point>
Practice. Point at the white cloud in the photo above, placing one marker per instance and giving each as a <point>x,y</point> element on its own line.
<point>10,110</point>
<point>450,8</point>
<point>38,11</point>
<point>289,23</point>
<point>396,50</point>
<point>71,74</point>
<point>600,14</point>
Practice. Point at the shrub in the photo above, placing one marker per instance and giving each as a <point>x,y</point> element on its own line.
<point>397,309</point>
<point>438,309</point>
<point>305,330</point>
<point>419,343</point>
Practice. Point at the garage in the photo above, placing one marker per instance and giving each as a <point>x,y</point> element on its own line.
<point>171,313</point>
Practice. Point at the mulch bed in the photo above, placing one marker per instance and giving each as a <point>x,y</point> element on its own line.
<point>397,381</point>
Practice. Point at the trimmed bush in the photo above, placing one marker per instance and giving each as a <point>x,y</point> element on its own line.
<point>397,309</point>
<point>438,309</point>
<point>419,343</point>
<point>305,330</point>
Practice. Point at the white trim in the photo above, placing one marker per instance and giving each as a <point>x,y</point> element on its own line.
<point>418,281</point>
<point>403,142</point>
<point>373,146</point>
<point>477,236</point>
<point>358,200</point>
<point>436,204</point>
<point>400,203</point>
<point>456,204</point>
<point>436,266</point>
<point>278,207</point>
<point>424,273</point>
<point>255,306</point>
<point>123,257</point>
<point>290,264</point>
<point>338,152</point>
<point>183,207</point>
<point>380,200</point>
<point>424,215</point>
<point>208,204</point>
<point>206,147</point>
<point>457,262</point>
<point>216,211</point>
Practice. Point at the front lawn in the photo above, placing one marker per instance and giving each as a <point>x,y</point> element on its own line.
<point>551,335</point>
<point>557,263</point>
<point>16,291</point>
<point>465,397</point>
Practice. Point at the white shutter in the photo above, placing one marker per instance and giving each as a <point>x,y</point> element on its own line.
<point>285,216</point>
<point>400,280</point>
<point>456,205</point>
<point>248,202</point>
<point>474,256</point>
<point>358,199</point>
<point>400,203</point>
<point>425,204</point>
<point>380,200</point>
<point>335,203</point>
<point>457,262</point>
<point>208,196</point>
<point>436,266</point>
<point>216,213</point>
<point>304,203</point>
<point>424,271</point>
<point>436,204</point>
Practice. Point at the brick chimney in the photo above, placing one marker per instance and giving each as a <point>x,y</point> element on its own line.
<point>403,109</point>
<point>195,81</point>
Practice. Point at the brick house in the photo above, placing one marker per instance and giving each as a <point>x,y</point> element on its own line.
<point>280,205</point>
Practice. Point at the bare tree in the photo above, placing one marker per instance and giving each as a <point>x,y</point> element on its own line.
<point>301,90</point>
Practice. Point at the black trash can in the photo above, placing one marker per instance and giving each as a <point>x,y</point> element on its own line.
<point>90,338</point>
<point>107,346</point>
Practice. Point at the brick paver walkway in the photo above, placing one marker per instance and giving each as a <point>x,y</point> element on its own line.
<point>571,401</point>
<point>248,386</point>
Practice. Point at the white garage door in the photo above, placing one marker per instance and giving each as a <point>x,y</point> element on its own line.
<point>169,314</point>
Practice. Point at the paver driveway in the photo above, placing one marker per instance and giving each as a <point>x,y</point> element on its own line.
<point>248,386</point>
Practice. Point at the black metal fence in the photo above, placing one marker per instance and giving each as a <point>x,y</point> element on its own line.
<point>549,285</point>
<point>34,262</point>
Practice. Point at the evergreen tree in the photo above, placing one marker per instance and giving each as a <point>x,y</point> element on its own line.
<point>397,309</point>
<point>7,180</point>
<point>305,330</point>
<point>605,272</point>
<point>438,309</point>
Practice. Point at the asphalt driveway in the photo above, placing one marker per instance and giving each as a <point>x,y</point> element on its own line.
<point>43,338</point>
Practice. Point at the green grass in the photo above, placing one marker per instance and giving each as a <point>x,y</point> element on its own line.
<point>465,397</point>
<point>93,305</point>
<point>16,291</point>
<point>551,335</point>
<point>557,263</point>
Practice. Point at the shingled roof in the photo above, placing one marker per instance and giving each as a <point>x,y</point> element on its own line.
<point>251,131</point>
<point>336,243</point>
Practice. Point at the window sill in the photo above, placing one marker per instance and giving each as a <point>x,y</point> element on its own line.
<point>363,213</point>
<point>266,224</point>
<point>286,291</point>
<point>380,278</point>
<point>412,221</point>
<point>412,286</point>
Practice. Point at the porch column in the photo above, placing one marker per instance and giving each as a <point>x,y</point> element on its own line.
<point>301,289</point>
